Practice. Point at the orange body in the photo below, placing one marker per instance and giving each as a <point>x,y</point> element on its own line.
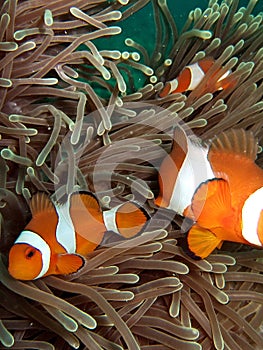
<point>219,203</point>
<point>191,76</point>
<point>60,235</point>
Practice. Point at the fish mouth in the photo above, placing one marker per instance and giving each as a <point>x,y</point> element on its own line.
<point>16,273</point>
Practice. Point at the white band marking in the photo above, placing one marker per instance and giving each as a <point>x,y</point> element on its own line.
<point>35,241</point>
<point>109,217</point>
<point>250,215</point>
<point>173,85</point>
<point>194,170</point>
<point>65,232</point>
<point>197,74</point>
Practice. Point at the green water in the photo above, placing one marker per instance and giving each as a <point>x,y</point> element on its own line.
<point>141,28</point>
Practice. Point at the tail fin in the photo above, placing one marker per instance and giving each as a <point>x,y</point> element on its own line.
<point>166,90</point>
<point>170,87</point>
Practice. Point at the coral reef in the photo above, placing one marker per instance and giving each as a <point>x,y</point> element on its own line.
<point>76,114</point>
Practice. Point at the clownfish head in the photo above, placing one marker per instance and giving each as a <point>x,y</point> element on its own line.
<point>25,262</point>
<point>30,256</point>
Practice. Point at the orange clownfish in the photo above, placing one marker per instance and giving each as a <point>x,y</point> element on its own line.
<point>191,76</point>
<point>58,235</point>
<point>218,186</point>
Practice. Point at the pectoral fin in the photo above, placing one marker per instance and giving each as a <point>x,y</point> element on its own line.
<point>202,242</point>
<point>211,204</point>
<point>69,263</point>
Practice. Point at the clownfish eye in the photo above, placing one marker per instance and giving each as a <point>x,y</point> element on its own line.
<point>30,252</point>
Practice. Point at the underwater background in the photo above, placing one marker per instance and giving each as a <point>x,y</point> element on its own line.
<point>141,28</point>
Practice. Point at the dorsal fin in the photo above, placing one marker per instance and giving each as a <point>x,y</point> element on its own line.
<point>87,199</point>
<point>179,147</point>
<point>237,141</point>
<point>206,63</point>
<point>40,203</point>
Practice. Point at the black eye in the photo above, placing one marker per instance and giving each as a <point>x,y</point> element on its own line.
<point>30,253</point>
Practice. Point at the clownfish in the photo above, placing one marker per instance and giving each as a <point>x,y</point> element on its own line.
<point>59,235</point>
<point>218,186</point>
<point>191,76</point>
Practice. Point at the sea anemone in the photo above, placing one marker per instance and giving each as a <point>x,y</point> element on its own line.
<point>78,112</point>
